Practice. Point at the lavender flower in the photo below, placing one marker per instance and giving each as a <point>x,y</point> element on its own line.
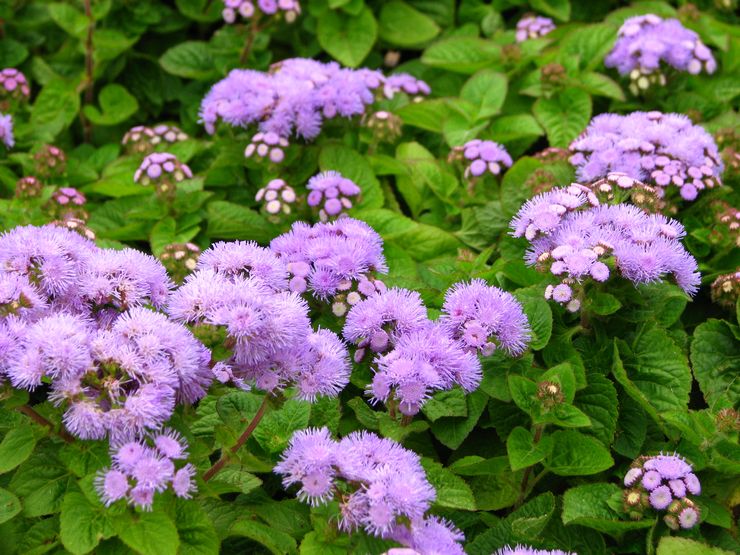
<point>422,362</point>
<point>660,149</point>
<point>484,317</point>
<point>593,241</point>
<point>663,482</point>
<point>295,97</point>
<point>290,9</point>
<point>482,157</point>
<point>336,261</point>
<point>332,191</point>
<point>144,467</point>
<point>142,139</point>
<point>13,84</point>
<point>383,486</point>
<point>164,171</point>
<point>6,130</point>
<point>380,320</point>
<point>533,27</point>
<point>526,550</point>
<point>324,368</point>
<point>245,259</point>
<point>645,41</point>
<point>277,196</point>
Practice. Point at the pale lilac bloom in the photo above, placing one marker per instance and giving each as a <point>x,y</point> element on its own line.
<point>483,156</point>
<point>246,9</point>
<point>245,259</point>
<point>6,130</point>
<point>332,191</point>
<point>14,84</point>
<point>533,27</point>
<point>526,550</point>
<point>277,197</point>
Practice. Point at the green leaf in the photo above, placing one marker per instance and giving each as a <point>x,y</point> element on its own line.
<point>522,450</point>
<point>16,447</point>
<point>147,533</point>
<point>81,529</point>
<point>453,431</point>
<point>599,402</point>
<point>588,506</point>
<point>235,479</point>
<point>631,427</point>
<point>68,18</point>
<point>356,167</point>
<point>445,404</point>
<point>12,52</point>
<point>524,393</point>
<point>539,315</point>
<point>461,54</point>
<point>195,529</point>
<point>529,520</point>
<point>452,491</point>
<point>563,116</point>
<point>348,38</point>
<point>108,44</point>
<point>515,126</point>
<point>653,371</point>
<point>587,45</point>
<point>559,9</point>
<point>576,454</point>
<point>10,505</point>
<point>672,545</point>
<point>715,358</point>
<point>276,541</point>
<point>403,25</point>
<point>602,304</point>
<point>55,108</point>
<point>227,220</point>
<point>41,483</point>
<point>200,10</point>
<point>191,60</point>
<point>487,91</point>
<point>599,84</point>
<point>116,106</point>
<point>277,427</point>
<point>427,114</point>
<point>497,489</point>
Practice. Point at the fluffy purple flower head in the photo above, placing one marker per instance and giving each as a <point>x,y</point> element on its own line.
<point>14,84</point>
<point>544,213</point>
<point>332,191</point>
<point>533,27</point>
<point>164,171</point>
<point>68,195</point>
<point>645,41</point>
<point>324,368</point>
<point>484,317</point>
<point>6,130</point>
<point>526,550</point>
<point>277,197</point>
<point>290,9</point>
<point>245,259</point>
<point>403,82</point>
<point>336,260</point>
<point>481,157</point>
<point>142,468</point>
<point>665,150</point>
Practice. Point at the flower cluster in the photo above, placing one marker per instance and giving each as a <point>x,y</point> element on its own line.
<point>385,126</point>
<point>143,139</point>
<point>526,550</point>
<point>481,157</point>
<point>663,482</point>
<point>164,171</point>
<point>13,84</point>
<point>575,238</point>
<point>331,190</point>
<point>144,467</point>
<point>267,145</point>
<point>421,356</point>
<point>77,225</point>
<point>28,187</point>
<point>290,9</point>
<point>335,261</point>
<point>647,40</point>
<point>726,290</point>
<point>533,27</point>
<point>277,196</point>
<point>180,259</point>
<point>661,149</point>
<point>6,130</point>
<point>242,288</point>
<point>50,161</point>
<point>296,96</point>
<point>67,202</point>
<point>381,486</point>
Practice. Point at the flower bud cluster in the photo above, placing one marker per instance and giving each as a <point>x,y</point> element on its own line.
<point>180,259</point>
<point>726,290</point>
<point>164,171</point>
<point>481,157</point>
<point>385,126</point>
<point>143,139</point>
<point>332,191</point>
<point>50,161</point>
<point>28,187</point>
<point>289,9</point>
<point>267,145</point>
<point>277,197</point>
<point>533,27</point>
<point>13,87</point>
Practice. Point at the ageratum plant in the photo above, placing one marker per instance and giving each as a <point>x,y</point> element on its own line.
<point>402,277</point>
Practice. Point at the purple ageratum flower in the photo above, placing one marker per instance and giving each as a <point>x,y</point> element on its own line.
<point>143,139</point>
<point>526,550</point>
<point>6,130</point>
<point>277,196</point>
<point>335,260</point>
<point>331,190</point>
<point>403,82</point>
<point>290,9</point>
<point>295,97</point>
<point>431,534</point>
<point>267,145</point>
<point>533,27</point>
<point>645,41</point>
<point>325,367</point>
<point>14,84</point>
<point>382,318</point>
<point>164,171</point>
<point>422,362</point>
<point>19,297</point>
<point>245,259</point>
<point>68,195</point>
<point>484,317</point>
<point>666,150</point>
<point>544,213</point>
<point>482,157</point>
<point>142,468</point>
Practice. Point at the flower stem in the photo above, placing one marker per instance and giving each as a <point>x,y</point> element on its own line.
<point>89,70</point>
<point>220,463</point>
<point>253,30</point>
<point>525,479</point>
<point>41,421</point>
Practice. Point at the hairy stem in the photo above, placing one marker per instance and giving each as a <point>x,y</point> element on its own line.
<point>40,420</point>
<point>528,471</point>
<point>220,463</point>
<point>253,30</point>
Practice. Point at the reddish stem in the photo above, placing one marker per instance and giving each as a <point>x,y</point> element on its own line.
<point>41,421</point>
